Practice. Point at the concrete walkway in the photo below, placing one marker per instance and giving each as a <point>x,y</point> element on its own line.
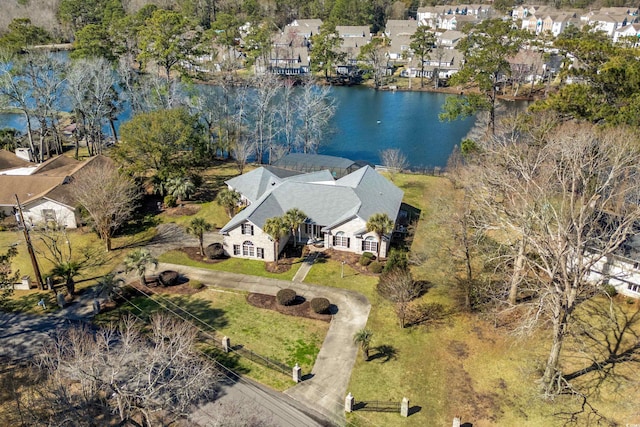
<point>326,388</point>
<point>304,268</point>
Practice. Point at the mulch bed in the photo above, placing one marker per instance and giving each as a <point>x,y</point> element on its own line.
<point>351,259</point>
<point>301,310</point>
<point>284,264</point>
<point>184,209</point>
<point>194,254</point>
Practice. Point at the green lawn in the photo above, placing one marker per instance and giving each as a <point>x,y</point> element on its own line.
<point>281,338</point>
<point>80,239</point>
<point>207,208</point>
<point>232,265</point>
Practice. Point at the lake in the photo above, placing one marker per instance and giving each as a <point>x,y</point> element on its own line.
<point>368,121</point>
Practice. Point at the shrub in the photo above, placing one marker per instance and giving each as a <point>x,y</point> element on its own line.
<point>214,251</point>
<point>196,284</point>
<point>610,290</point>
<point>369,255</point>
<point>168,278</point>
<point>286,296</point>
<point>170,201</point>
<point>364,260</point>
<point>376,267</point>
<point>320,305</point>
<point>397,259</point>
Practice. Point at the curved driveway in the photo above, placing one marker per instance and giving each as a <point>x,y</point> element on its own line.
<point>326,388</point>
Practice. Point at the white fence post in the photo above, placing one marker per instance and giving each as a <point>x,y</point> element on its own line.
<point>348,402</point>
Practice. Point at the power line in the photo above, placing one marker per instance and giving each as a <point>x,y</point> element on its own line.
<point>337,399</point>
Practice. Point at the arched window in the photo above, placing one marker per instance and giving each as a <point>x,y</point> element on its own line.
<point>341,240</point>
<point>370,244</point>
<point>247,248</point>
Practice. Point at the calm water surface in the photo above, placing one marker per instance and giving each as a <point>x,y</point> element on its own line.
<point>368,121</point>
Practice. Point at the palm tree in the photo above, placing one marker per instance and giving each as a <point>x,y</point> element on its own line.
<point>180,187</point>
<point>108,286</point>
<point>381,224</point>
<point>198,227</point>
<point>363,337</point>
<point>294,218</point>
<point>67,271</point>
<point>275,227</point>
<point>228,199</point>
<point>138,260</point>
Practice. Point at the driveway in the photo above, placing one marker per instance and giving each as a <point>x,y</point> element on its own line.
<point>326,388</point>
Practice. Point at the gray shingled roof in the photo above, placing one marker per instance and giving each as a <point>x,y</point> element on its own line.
<point>252,185</point>
<point>362,193</point>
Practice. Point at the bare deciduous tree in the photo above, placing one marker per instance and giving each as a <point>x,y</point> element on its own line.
<point>146,379</point>
<point>399,287</point>
<point>91,88</point>
<point>571,199</point>
<point>394,160</point>
<point>315,108</point>
<point>263,113</point>
<point>106,194</point>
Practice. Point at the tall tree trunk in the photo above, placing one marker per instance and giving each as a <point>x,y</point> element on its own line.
<point>29,133</point>
<point>517,274</point>
<point>552,374</point>
<point>113,130</point>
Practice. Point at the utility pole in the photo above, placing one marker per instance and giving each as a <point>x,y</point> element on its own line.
<point>27,238</point>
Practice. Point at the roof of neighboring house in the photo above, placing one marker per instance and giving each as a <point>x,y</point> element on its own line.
<point>347,31</point>
<point>9,160</point>
<point>526,57</point>
<point>452,35</point>
<point>629,28</point>
<point>26,187</point>
<point>47,180</point>
<point>328,203</point>
<point>396,27</point>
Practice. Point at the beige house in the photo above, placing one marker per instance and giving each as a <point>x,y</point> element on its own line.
<point>42,189</point>
<point>337,210</point>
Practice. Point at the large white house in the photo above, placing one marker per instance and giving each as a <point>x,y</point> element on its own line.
<point>337,210</point>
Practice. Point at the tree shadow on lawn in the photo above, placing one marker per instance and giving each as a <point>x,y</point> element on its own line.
<point>228,360</point>
<point>29,302</point>
<point>198,311</point>
<point>384,352</point>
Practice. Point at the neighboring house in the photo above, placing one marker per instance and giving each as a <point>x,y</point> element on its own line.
<point>630,33</point>
<point>290,52</point>
<point>607,23</point>
<point>337,210</point>
<point>399,48</point>
<point>399,33</point>
<point>42,189</point>
<point>353,38</point>
<point>621,270</point>
<point>526,66</point>
<point>456,22</point>
<point>525,11</point>
<point>449,39</point>
<point>400,27</point>
<point>447,62</point>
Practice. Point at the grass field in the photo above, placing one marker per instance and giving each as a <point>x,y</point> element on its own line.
<point>279,337</point>
<point>232,265</point>
<point>460,365</point>
<point>80,240</point>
